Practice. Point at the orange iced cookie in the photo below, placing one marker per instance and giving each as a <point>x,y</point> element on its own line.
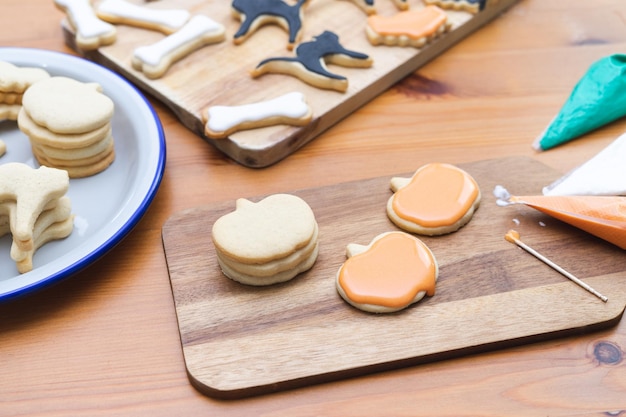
<point>407,28</point>
<point>394,271</point>
<point>437,199</point>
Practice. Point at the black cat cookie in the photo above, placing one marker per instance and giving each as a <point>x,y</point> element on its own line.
<point>256,13</point>
<point>309,64</point>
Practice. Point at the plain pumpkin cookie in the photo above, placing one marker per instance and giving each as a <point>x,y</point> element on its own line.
<point>68,123</point>
<point>266,242</point>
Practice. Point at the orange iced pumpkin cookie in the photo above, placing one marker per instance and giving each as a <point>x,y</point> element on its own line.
<point>394,271</point>
<point>407,28</point>
<point>437,199</point>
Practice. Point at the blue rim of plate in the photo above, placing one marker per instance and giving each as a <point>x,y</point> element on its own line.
<point>9,54</point>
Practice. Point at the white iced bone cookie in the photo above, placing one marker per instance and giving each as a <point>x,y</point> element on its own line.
<point>124,12</point>
<point>91,31</point>
<point>65,105</point>
<point>154,60</point>
<point>28,192</point>
<point>290,108</point>
<point>267,242</point>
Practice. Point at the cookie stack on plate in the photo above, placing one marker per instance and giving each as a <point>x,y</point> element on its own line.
<point>68,123</point>
<point>33,208</point>
<point>14,81</point>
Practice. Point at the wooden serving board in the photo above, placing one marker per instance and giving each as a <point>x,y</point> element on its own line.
<point>240,341</point>
<point>219,74</point>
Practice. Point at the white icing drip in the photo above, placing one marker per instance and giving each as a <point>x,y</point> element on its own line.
<point>84,19</point>
<point>502,195</point>
<point>223,118</point>
<point>172,19</point>
<point>197,27</point>
<point>604,174</point>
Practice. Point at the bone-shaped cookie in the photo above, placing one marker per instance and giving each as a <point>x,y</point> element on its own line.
<point>154,60</point>
<point>163,20</point>
<point>91,31</point>
<point>290,108</point>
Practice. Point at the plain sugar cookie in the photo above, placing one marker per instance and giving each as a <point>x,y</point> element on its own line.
<point>65,105</point>
<point>266,242</point>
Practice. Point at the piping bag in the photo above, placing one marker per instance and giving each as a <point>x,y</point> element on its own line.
<point>597,99</point>
<point>603,174</point>
<point>601,216</point>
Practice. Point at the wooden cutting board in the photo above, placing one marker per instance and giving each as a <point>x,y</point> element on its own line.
<point>240,341</point>
<point>219,74</point>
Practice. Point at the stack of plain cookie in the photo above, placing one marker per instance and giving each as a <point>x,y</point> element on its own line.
<point>33,208</point>
<point>267,242</point>
<point>68,123</point>
<point>13,83</point>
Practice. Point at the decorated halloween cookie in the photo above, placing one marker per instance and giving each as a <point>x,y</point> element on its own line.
<point>394,271</point>
<point>309,64</point>
<point>472,6</point>
<point>124,12</point>
<point>413,28</point>
<point>154,60</point>
<point>256,13</point>
<point>368,5</point>
<point>91,31</point>
<point>290,108</point>
<point>437,199</point>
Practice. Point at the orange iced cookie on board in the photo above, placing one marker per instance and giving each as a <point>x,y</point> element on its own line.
<point>437,199</point>
<point>394,271</point>
<point>407,28</point>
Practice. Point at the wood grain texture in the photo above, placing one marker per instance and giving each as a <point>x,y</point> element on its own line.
<point>240,340</point>
<point>218,74</point>
<point>106,341</point>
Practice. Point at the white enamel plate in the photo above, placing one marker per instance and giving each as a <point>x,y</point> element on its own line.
<point>107,205</point>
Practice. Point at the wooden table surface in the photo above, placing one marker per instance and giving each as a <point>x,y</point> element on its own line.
<point>106,341</point>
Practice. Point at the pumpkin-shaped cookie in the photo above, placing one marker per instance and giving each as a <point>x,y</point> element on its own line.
<point>266,242</point>
<point>437,199</point>
<point>394,271</point>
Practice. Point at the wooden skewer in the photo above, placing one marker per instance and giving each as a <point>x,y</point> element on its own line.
<point>513,237</point>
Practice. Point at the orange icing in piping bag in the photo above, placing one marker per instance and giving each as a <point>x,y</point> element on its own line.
<point>412,23</point>
<point>601,216</point>
<point>437,195</point>
<point>390,272</point>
